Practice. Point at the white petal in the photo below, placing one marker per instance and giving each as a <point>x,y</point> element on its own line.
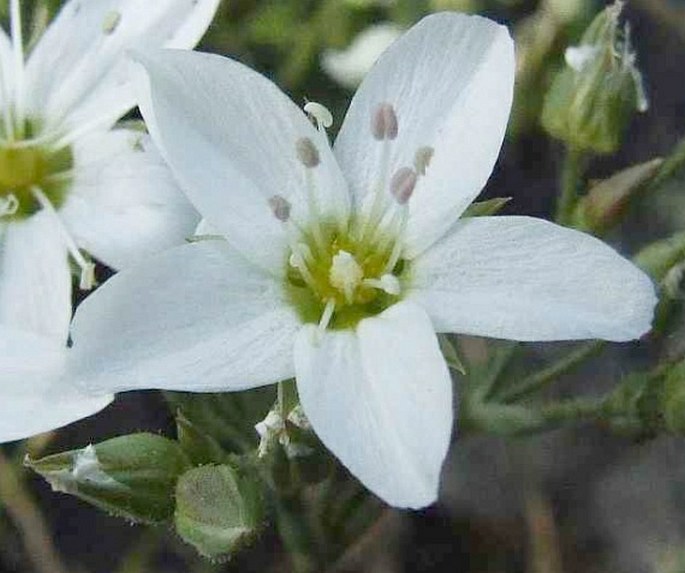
<point>230,137</point>
<point>450,80</point>
<point>6,70</point>
<point>527,279</point>
<point>77,72</point>
<point>125,203</point>
<point>196,317</point>
<point>381,400</point>
<point>33,396</point>
<point>348,67</point>
<point>35,282</point>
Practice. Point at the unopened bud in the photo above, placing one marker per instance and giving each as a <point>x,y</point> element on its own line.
<point>280,207</point>
<point>307,152</point>
<point>402,184</point>
<point>130,476</point>
<point>422,159</point>
<point>384,122</point>
<point>594,96</point>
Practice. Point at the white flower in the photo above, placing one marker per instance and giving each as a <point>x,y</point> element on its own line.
<point>340,265</point>
<point>70,182</point>
<point>348,67</point>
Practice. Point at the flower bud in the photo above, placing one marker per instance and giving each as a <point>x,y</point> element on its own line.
<point>594,96</point>
<point>130,476</point>
<point>218,509</point>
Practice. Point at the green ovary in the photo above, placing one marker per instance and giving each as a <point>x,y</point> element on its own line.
<point>310,299</point>
<point>23,168</point>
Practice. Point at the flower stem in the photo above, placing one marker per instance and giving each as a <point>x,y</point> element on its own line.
<point>570,178</point>
<point>539,380</point>
<point>28,519</point>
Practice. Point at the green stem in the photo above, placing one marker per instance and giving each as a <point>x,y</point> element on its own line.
<point>296,532</point>
<point>539,380</point>
<point>28,519</point>
<point>573,410</point>
<point>570,179</point>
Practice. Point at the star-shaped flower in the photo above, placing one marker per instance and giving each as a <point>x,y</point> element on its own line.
<point>340,265</point>
<point>68,182</point>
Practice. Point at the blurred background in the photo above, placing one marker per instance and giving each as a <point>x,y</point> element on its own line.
<point>575,500</point>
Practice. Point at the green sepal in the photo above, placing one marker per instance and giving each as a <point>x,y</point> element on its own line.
<point>606,203</point>
<point>228,418</point>
<point>451,354</point>
<point>486,208</point>
<point>219,509</point>
<point>132,476</point>
<point>200,447</point>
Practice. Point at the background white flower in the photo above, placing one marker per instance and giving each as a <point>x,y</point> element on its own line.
<point>340,264</point>
<point>349,66</point>
<point>70,182</point>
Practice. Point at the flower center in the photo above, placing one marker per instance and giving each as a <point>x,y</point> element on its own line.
<point>25,167</point>
<point>340,272</point>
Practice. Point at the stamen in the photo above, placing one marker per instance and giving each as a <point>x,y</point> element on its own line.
<point>384,122</point>
<point>307,153</point>
<point>297,261</point>
<point>402,184</point>
<point>422,159</point>
<point>87,281</point>
<point>280,207</point>
<point>326,316</point>
<point>320,114</point>
<point>8,206</point>
<point>387,283</point>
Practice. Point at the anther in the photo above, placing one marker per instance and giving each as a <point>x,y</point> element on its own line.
<point>280,207</point>
<point>9,206</point>
<point>402,184</point>
<point>384,122</point>
<point>111,22</point>
<point>387,283</point>
<point>320,114</point>
<point>307,152</point>
<point>422,159</point>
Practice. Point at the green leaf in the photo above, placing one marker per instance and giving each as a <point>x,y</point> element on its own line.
<point>130,476</point>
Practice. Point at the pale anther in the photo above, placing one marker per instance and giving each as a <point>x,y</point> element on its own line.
<point>280,207</point>
<point>402,184</point>
<point>422,159</point>
<point>87,280</point>
<point>320,113</point>
<point>307,152</point>
<point>388,283</point>
<point>384,122</point>
<point>9,206</point>
<point>111,21</point>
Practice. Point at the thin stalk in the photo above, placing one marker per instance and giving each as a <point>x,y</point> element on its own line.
<point>569,183</point>
<point>28,519</point>
<point>541,379</point>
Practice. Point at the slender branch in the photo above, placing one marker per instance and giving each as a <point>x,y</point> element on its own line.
<point>28,519</point>
<point>570,179</point>
<point>539,380</point>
